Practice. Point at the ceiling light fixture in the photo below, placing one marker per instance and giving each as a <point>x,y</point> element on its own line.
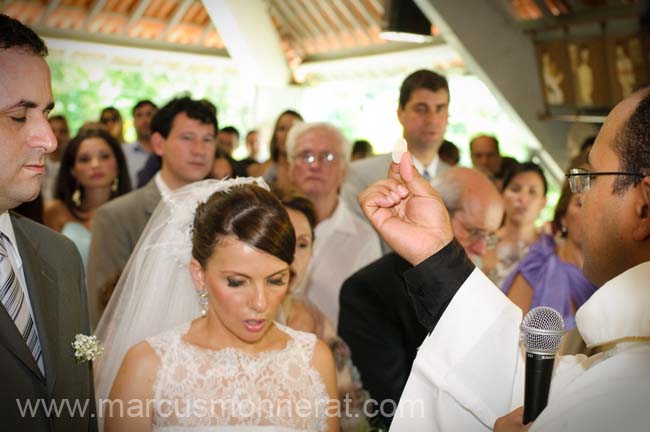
<point>404,22</point>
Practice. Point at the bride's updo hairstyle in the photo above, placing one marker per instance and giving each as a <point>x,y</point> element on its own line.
<point>247,213</point>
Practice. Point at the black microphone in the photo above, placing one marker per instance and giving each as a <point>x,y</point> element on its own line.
<point>541,333</point>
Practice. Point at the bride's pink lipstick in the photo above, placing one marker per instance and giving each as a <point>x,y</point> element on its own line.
<point>254,326</point>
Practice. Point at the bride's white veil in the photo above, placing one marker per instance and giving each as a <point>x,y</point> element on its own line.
<point>155,291</point>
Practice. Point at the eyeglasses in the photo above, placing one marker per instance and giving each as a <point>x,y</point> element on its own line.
<point>309,158</point>
<point>476,234</point>
<point>580,179</point>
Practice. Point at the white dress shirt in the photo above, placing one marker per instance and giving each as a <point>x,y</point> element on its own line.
<point>162,186</point>
<point>14,255</point>
<point>344,244</point>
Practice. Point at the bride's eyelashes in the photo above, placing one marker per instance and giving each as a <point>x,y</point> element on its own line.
<point>278,281</point>
<point>235,282</point>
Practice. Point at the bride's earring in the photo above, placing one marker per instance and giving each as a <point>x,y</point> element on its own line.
<point>115,185</point>
<point>203,300</point>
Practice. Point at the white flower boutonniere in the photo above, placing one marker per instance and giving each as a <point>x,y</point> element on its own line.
<point>86,348</point>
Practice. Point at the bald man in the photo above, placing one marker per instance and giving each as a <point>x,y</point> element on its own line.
<point>484,150</point>
<point>377,318</point>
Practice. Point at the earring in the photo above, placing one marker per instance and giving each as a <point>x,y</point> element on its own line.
<point>203,300</point>
<point>564,230</point>
<point>76,197</point>
<point>116,183</point>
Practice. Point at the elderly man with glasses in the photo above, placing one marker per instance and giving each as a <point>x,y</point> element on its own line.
<point>318,155</point>
<point>469,370</point>
<point>377,318</point>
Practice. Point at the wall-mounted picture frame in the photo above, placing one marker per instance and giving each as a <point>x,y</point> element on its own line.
<point>628,64</point>
<point>589,71</point>
<point>555,73</point>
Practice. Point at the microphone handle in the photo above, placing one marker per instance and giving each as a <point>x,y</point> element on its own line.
<point>539,371</point>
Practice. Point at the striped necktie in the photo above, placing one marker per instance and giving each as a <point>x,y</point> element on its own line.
<point>13,299</point>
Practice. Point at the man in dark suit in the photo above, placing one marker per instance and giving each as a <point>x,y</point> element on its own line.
<point>41,275</point>
<point>377,317</point>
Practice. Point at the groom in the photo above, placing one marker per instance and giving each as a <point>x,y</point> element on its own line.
<point>43,303</point>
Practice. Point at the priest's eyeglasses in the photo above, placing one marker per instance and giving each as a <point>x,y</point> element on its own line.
<point>580,179</point>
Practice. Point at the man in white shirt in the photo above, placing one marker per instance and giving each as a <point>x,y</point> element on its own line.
<point>318,155</point>
<point>469,371</point>
<point>137,153</point>
<point>423,112</point>
<point>184,136</point>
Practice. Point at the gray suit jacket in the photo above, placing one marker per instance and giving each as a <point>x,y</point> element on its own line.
<point>363,173</point>
<point>54,276</point>
<point>117,226</point>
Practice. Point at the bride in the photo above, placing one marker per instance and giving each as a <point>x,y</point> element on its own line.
<point>197,299</point>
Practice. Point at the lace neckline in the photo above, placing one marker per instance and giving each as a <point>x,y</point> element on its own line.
<point>182,330</point>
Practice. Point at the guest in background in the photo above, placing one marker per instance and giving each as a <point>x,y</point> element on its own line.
<point>93,171</point>
<point>524,197</point>
<point>61,130</point>
<point>551,274</point>
<point>423,112</point>
<point>112,118</point>
<point>484,150</point>
<point>222,167</point>
<point>275,170</point>
<point>318,163</point>
<point>253,144</point>
<point>253,147</point>
<point>361,149</point>
<point>449,153</point>
<point>138,152</point>
<point>154,162</point>
<point>228,140</point>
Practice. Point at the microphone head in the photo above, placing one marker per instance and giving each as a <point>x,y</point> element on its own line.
<point>542,330</point>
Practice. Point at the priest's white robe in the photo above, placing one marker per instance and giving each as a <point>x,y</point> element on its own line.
<point>470,370</point>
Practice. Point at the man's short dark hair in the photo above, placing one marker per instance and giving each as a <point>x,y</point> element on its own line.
<point>449,151</point>
<point>14,34</point>
<point>142,103</point>
<point>201,110</point>
<point>230,130</point>
<point>632,145</point>
<point>422,78</point>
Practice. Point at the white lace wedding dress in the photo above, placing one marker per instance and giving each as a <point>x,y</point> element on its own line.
<point>199,389</point>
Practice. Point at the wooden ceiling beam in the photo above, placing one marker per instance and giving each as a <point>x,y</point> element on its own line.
<point>177,17</point>
<point>96,10</point>
<point>325,25</point>
<point>137,14</point>
<point>51,7</point>
<point>299,29</point>
<point>289,32</point>
<point>360,30</point>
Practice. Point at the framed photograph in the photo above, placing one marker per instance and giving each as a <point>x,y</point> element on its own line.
<point>628,65</point>
<point>589,70</point>
<point>555,73</point>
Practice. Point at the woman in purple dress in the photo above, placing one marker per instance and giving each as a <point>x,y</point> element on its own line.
<point>550,274</point>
